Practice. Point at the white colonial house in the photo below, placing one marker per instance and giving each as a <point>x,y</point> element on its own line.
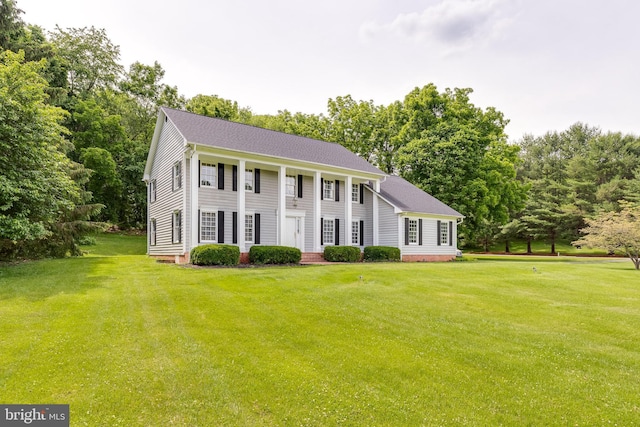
<point>214,181</point>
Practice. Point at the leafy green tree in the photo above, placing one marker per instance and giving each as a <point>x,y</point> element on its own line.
<point>458,153</point>
<point>104,182</point>
<point>617,232</point>
<point>11,24</point>
<point>91,59</point>
<point>35,184</point>
<point>214,106</point>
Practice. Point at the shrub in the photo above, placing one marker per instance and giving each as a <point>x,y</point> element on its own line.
<point>342,254</point>
<point>215,255</point>
<point>274,255</point>
<point>381,253</point>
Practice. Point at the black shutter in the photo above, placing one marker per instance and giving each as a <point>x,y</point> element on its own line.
<point>321,188</point>
<point>361,232</point>
<point>450,233</point>
<point>300,178</point>
<point>406,231</point>
<point>256,184</point>
<point>199,222</point>
<point>235,177</point>
<point>362,194</point>
<point>438,233</point>
<point>337,232</point>
<point>235,227</point>
<point>256,219</point>
<point>180,227</point>
<point>321,231</point>
<point>199,169</point>
<point>220,226</point>
<point>337,197</point>
<point>420,231</point>
<point>220,176</point>
<point>173,228</point>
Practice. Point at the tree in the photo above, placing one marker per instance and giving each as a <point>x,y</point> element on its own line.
<point>91,59</point>
<point>459,154</point>
<point>11,24</point>
<point>617,232</point>
<point>35,184</point>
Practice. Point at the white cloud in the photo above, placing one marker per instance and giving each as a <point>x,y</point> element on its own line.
<point>457,24</point>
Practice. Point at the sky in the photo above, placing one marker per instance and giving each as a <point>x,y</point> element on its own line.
<point>545,64</point>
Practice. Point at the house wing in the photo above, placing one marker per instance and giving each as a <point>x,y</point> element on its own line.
<point>239,137</point>
<point>409,198</point>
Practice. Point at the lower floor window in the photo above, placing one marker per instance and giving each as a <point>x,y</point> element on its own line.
<point>177,227</point>
<point>355,232</point>
<point>248,228</point>
<point>152,232</point>
<point>413,231</point>
<point>444,233</point>
<point>207,226</point>
<point>328,231</point>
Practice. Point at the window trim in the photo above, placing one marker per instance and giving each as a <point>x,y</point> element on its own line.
<point>201,228</point>
<point>153,232</point>
<point>443,233</point>
<point>331,221</point>
<point>413,221</point>
<point>355,222</point>
<point>176,223</point>
<point>252,228</point>
<point>249,184</point>
<point>208,180</point>
<point>294,179</point>
<point>176,174</point>
<point>355,191</point>
<point>329,185</point>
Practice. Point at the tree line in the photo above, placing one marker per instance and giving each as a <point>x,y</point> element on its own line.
<point>75,128</point>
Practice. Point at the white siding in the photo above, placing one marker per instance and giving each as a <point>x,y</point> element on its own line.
<point>265,203</point>
<point>387,225</point>
<point>170,150</point>
<point>429,238</point>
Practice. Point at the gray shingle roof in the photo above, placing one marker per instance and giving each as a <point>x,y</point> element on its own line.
<point>250,139</point>
<point>409,198</point>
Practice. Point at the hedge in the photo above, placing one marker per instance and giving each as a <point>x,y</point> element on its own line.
<point>274,255</point>
<point>342,254</point>
<point>215,255</point>
<point>381,253</point>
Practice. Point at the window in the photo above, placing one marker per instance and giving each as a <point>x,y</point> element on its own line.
<point>328,231</point>
<point>152,191</point>
<point>355,193</point>
<point>444,233</point>
<point>290,185</point>
<point>177,176</point>
<point>207,226</point>
<point>413,231</point>
<point>328,190</point>
<point>207,175</point>
<point>152,232</point>
<point>355,232</point>
<point>176,221</point>
<point>248,179</point>
<point>248,228</point>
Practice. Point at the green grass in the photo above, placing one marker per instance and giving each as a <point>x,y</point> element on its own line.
<point>542,248</point>
<point>127,341</point>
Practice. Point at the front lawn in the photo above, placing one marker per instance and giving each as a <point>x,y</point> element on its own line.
<point>127,341</point>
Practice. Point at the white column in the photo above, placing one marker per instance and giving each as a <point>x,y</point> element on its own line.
<point>195,174</point>
<point>317,211</point>
<point>376,214</point>
<point>282,204</point>
<point>348,211</point>
<point>241,204</point>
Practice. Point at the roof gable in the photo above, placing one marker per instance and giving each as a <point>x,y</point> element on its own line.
<point>224,134</point>
<point>409,198</point>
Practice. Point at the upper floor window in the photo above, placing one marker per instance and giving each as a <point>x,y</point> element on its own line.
<point>328,190</point>
<point>290,186</point>
<point>207,175</point>
<point>355,193</point>
<point>152,190</point>
<point>248,180</point>
<point>177,175</point>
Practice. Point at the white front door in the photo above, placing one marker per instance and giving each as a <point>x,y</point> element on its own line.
<point>294,232</point>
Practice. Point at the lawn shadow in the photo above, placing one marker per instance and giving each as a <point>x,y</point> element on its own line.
<point>39,280</point>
